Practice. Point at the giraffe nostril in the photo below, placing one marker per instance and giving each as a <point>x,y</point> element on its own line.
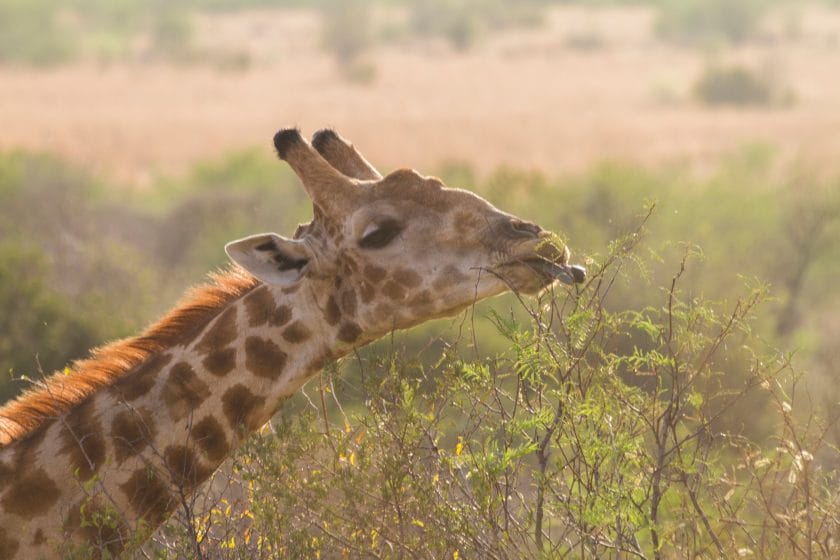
<point>524,229</point>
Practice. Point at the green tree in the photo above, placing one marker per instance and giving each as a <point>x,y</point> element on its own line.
<point>38,330</point>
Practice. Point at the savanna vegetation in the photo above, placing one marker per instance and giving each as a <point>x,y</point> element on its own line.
<point>681,403</point>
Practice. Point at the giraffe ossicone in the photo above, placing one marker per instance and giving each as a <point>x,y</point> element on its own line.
<point>146,420</point>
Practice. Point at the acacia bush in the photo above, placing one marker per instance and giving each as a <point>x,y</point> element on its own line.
<point>562,445</point>
<point>738,86</point>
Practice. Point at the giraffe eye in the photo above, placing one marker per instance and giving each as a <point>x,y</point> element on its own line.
<point>380,234</point>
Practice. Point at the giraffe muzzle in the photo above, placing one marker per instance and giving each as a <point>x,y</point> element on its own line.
<point>568,274</point>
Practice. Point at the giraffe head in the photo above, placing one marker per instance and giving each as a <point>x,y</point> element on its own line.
<point>391,252</point>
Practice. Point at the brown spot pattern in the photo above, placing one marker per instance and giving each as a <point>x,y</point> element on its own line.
<point>32,496</point>
<point>8,545</point>
<point>220,362</point>
<point>82,440</point>
<point>131,433</point>
<point>317,364</point>
<point>39,538</point>
<point>264,358</point>
<point>296,332</point>
<point>348,302</point>
<point>210,438</point>
<point>393,290</point>
<point>24,459</point>
<point>183,391</point>
<point>183,466</point>
<point>383,312</point>
<point>449,275</point>
<point>262,309</point>
<point>257,304</point>
<point>349,332</point>
<point>332,313</point>
<point>466,222</point>
<point>280,316</point>
<point>375,273</point>
<point>242,407</point>
<point>134,385</point>
<point>221,334</point>
<point>421,299</point>
<point>407,278</point>
<point>368,293</point>
<point>148,496</point>
<point>5,474</point>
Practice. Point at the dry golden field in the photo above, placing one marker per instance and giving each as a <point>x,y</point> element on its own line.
<point>527,97</point>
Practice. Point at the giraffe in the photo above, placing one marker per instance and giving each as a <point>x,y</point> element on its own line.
<point>132,430</point>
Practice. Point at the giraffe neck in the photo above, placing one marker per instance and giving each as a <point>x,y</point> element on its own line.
<point>131,450</point>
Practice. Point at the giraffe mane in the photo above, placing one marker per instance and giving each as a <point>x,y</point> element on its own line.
<point>62,390</point>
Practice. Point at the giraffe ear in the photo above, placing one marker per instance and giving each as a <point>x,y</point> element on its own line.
<point>271,258</point>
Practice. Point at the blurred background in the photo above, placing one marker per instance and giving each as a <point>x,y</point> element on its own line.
<point>135,142</point>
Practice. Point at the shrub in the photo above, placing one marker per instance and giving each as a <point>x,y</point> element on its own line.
<point>590,40</point>
<point>705,22</point>
<point>734,85</point>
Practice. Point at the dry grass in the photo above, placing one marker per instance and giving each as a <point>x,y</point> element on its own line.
<point>526,98</point>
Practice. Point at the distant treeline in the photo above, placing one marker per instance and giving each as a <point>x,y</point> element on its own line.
<point>50,32</point>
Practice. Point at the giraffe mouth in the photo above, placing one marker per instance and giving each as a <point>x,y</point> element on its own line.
<point>538,266</point>
<point>568,274</point>
<point>533,273</point>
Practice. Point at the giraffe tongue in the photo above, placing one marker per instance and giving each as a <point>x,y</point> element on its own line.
<point>567,274</point>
